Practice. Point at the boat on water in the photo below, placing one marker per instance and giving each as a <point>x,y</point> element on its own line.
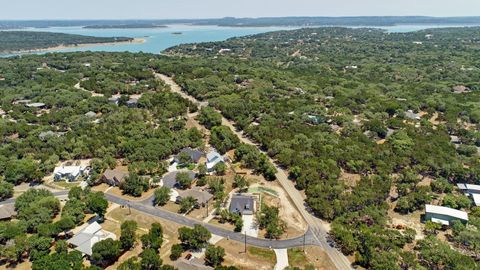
<point>177,33</point>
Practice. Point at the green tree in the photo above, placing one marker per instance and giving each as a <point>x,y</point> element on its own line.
<point>209,117</point>
<point>214,256</point>
<point>134,185</point>
<point>187,204</point>
<point>195,238</point>
<point>106,252</point>
<point>130,264</point>
<point>96,203</point>
<point>183,179</point>
<point>162,196</point>
<point>128,234</point>
<point>176,252</point>
<point>154,238</point>
<point>150,259</point>
<point>6,190</point>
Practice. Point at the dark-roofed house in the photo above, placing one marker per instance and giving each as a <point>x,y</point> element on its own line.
<point>116,176</point>
<point>7,211</point>
<point>132,102</point>
<point>202,197</point>
<point>242,204</point>
<point>194,154</point>
<point>192,264</point>
<point>170,179</point>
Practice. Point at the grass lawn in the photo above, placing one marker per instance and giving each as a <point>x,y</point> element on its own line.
<point>296,257</point>
<point>267,254</point>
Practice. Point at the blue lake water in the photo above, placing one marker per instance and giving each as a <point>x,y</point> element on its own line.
<point>159,39</point>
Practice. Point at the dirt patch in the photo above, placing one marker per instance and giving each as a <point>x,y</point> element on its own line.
<point>350,179</point>
<point>118,192</point>
<point>254,259</point>
<point>312,255</point>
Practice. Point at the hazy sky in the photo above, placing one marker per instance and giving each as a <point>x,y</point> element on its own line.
<point>165,9</point>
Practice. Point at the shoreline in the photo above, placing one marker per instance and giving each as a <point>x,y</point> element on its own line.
<point>83,45</point>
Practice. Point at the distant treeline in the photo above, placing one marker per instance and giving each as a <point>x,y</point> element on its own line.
<point>14,41</point>
<point>251,22</point>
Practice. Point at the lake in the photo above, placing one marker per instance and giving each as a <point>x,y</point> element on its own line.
<point>159,39</point>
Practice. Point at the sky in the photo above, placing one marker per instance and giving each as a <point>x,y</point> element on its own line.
<point>174,9</point>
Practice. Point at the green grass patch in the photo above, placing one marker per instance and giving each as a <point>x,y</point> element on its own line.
<point>267,254</point>
<point>263,190</point>
<point>296,257</point>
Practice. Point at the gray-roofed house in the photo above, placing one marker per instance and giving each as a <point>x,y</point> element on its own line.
<point>115,177</point>
<point>170,179</point>
<point>194,154</point>
<point>411,115</point>
<point>91,114</point>
<point>192,264</point>
<point>202,197</point>
<point>7,211</point>
<point>114,100</point>
<point>133,102</point>
<point>242,204</point>
<point>84,240</point>
<point>44,135</point>
<point>444,215</point>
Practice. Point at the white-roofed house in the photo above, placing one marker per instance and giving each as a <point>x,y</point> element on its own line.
<point>69,173</point>
<point>213,158</point>
<point>471,190</point>
<point>444,215</point>
<point>84,240</point>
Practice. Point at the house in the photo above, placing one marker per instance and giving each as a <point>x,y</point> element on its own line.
<point>91,114</point>
<point>21,101</point>
<point>444,215</point>
<point>191,264</point>
<point>7,211</point>
<point>202,197</point>
<point>37,105</point>
<point>84,240</point>
<point>69,173</point>
<point>471,190</point>
<point>411,115</point>
<point>242,204</point>
<point>213,158</point>
<point>194,154</point>
<point>44,135</point>
<point>114,100</point>
<point>133,102</point>
<point>116,176</point>
<point>170,179</point>
<point>455,139</point>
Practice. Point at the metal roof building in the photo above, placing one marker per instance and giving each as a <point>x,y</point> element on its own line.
<point>444,215</point>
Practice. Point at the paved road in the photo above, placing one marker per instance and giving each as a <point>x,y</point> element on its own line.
<point>143,206</point>
<point>315,224</point>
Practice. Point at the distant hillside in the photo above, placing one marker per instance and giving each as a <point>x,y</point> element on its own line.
<point>16,41</point>
<point>255,22</point>
<point>124,26</point>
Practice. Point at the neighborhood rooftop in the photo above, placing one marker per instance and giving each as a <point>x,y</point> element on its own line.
<point>86,238</point>
<point>170,179</point>
<point>7,211</point>
<point>194,154</point>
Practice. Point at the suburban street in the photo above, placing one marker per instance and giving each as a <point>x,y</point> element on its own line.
<point>145,207</point>
<point>315,224</point>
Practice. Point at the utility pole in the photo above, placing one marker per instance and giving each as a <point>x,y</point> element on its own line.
<point>245,242</point>
<point>129,210</point>
<point>207,210</point>
<point>304,239</point>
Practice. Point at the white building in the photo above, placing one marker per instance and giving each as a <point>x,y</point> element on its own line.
<point>86,238</point>
<point>213,158</point>
<point>471,190</point>
<point>444,215</point>
<point>70,173</point>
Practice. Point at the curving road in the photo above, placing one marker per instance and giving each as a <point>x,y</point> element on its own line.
<point>147,208</point>
<point>315,225</point>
